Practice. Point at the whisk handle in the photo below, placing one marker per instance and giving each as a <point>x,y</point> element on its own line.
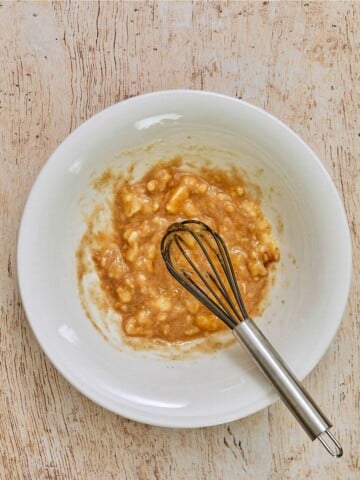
<point>295,397</point>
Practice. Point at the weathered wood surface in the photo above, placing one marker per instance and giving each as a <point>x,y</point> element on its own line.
<point>62,62</point>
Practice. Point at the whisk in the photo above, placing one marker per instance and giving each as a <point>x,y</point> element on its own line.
<point>197,257</point>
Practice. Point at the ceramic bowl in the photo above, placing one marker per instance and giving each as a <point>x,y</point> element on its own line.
<point>305,304</point>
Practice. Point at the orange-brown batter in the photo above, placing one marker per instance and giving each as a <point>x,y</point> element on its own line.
<point>129,263</point>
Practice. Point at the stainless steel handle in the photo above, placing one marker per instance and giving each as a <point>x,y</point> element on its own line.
<point>298,401</point>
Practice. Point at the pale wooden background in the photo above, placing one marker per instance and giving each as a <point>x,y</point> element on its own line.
<point>62,62</point>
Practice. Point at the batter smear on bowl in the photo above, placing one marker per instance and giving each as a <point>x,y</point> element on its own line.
<point>128,261</point>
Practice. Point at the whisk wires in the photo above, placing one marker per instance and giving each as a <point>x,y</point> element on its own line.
<point>204,269</point>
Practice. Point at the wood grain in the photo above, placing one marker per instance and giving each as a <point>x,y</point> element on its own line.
<point>62,62</point>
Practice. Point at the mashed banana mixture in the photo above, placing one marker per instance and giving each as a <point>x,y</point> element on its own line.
<point>128,261</point>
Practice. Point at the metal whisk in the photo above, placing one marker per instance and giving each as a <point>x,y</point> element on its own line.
<point>198,258</point>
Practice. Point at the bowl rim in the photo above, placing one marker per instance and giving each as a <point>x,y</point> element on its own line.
<point>133,413</point>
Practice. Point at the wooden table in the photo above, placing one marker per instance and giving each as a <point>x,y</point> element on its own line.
<point>62,62</point>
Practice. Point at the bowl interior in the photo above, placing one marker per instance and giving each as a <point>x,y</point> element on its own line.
<point>305,304</point>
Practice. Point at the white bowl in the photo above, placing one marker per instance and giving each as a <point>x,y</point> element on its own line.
<point>305,305</point>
